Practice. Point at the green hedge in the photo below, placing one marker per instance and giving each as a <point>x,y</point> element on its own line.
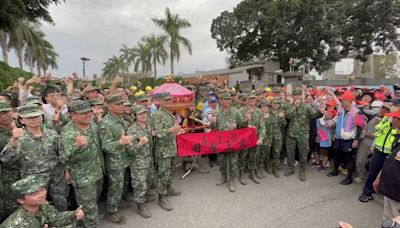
<point>8,75</point>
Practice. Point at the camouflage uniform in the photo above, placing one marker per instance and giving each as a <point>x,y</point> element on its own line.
<point>228,161</point>
<point>298,133</point>
<point>115,156</point>
<point>86,164</point>
<point>257,120</point>
<point>274,142</point>
<point>47,214</point>
<point>39,156</point>
<point>165,150</point>
<point>9,173</point>
<point>141,160</point>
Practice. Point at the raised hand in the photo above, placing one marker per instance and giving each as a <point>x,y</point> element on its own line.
<point>125,139</point>
<point>16,133</point>
<point>80,141</point>
<point>79,213</point>
<point>143,140</point>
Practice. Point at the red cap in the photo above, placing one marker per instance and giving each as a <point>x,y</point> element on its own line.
<point>393,114</point>
<point>379,96</point>
<point>331,103</point>
<point>347,95</point>
<point>362,103</point>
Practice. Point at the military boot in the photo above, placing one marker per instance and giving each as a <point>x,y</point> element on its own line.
<point>222,180</point>
<point>231,185</point>
<point>261,171</point>
<point>268,169</point>
<point>150,198</point>
<point>252,176</point>
<point>241,178</point>
<point>116,218</point>
<point>276,172</point>
<point>142,210</point>
<point>258,174</point>
<point>289,171</point>
<point>164,204</point>
<point>302,174</point>
<point>173,192</point>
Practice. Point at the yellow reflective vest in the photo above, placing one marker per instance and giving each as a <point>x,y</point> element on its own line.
<point>385,135</point>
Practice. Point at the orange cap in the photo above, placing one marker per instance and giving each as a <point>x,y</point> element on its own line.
<point>393,114</point>
<point>347,95</point>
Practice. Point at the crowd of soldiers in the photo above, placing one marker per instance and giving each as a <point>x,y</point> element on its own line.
<point>68,145</point>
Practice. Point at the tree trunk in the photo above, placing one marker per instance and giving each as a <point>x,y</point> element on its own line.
<point>172,61</point>
<point>19,56</point>
<point>3,45</point>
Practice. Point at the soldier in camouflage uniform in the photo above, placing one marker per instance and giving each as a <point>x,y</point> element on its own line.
<point>227,118</point>
<point>9,172</point>
<point>31,191</point>
<point>114,142</point>
<point>299,116</point>
<point>165,150</point>
<point>141,158</point>
<point>128,116</point>
<point>275,120</point>
<point>37,150</point>
<point>83,157</point>
<point>254,117</point>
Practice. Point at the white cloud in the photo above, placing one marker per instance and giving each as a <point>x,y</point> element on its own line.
<point>98,28</point>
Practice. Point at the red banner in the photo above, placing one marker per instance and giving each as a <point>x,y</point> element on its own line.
<point>192,144</point>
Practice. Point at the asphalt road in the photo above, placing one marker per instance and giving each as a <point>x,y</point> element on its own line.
<point>319,202</point>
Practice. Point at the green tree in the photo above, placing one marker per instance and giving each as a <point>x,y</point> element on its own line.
<point>23,33</point>
<point>143,60</point>
<point>318,32</point>
<point>128,55</point>
<point>114,66</point>
<point>3,45</point>
<point>13,11</point>
<point>157,52</point>
<point>172,26</point>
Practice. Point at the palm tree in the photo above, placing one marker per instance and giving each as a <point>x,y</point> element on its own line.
<point>172,25</point>
<point>23,33</point>
<point>3,45</point>
<point>44,56</point>
<point>128,56</point>
<point>143,59</point>
<point>114,66</point>
<point>157,52</point>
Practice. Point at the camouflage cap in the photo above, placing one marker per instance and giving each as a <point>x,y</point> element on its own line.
<point>276,100</point>
<point>29,110</point>
<point>34,100</point>
<point>276,89</point>
<point>226,95</point>
<point>264,103</point>
<point>90,88</point>
<point>297,92</point>
<point>202,88</point>
<point>137,109</point>
<point>127,103</point>
<point>4,107</point>
<point>164,96</point>
<point>114,99</point>
<point>142,97</point>
<point>80,106</point>
<point>241,96</point>
<point>74,96</point>
<point>96,102</point>
<point>251,94</point>
<point>28,185</point>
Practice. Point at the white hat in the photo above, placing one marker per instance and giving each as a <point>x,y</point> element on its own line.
<point>377,104</point>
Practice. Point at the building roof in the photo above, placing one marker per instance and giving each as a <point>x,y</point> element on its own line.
<point>222,71</point>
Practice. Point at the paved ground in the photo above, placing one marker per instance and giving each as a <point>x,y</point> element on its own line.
<point>286,202</point>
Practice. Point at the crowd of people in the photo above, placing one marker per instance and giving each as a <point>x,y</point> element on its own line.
<point>67,144</point>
